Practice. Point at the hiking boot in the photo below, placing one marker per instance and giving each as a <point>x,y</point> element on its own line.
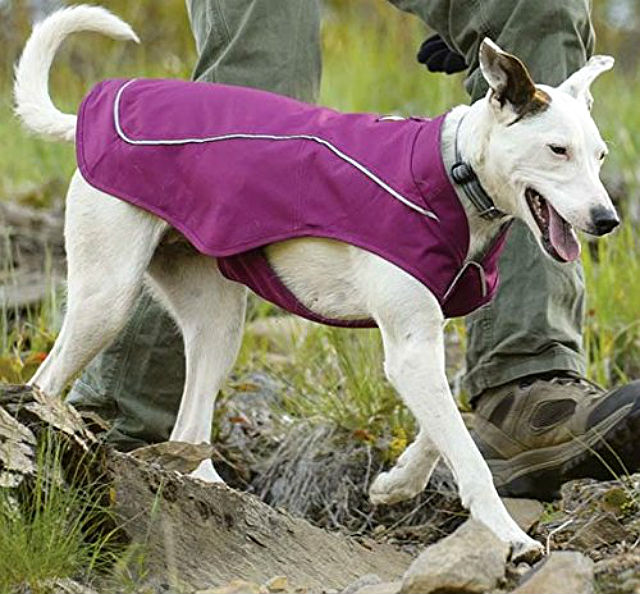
<point>542,431</point>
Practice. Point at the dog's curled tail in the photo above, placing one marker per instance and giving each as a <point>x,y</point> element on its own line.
<point>33,104</point>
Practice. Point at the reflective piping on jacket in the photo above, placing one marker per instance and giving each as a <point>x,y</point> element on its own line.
<point>483,279</point>
<point>372,176</point>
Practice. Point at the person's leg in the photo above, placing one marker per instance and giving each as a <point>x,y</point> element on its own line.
<point>264,44</point>
<point>534,324</point>
<point>137,382</point>
<point>537,421</point>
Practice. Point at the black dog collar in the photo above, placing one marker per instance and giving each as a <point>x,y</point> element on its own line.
<point>463,174</point>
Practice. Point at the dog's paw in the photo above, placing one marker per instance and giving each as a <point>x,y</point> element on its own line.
<point>393,487</point>
<point>207,473</point>
<point>528,551</point>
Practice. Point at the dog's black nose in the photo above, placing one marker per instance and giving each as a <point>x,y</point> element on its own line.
<point>603,220</point>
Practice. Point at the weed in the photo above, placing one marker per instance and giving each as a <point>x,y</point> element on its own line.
<point>51,528</point>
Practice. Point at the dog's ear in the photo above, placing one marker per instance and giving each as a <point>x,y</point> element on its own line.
<point>578,84</point>
<point>508,78</point>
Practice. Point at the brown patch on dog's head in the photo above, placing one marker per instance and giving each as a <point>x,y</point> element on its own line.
<point>537,104</point>
<point>510,82</point>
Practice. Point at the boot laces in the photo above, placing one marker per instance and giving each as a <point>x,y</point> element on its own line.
<point>590,387</point>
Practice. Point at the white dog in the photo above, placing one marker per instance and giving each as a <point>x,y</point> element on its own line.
<point>535,150</point>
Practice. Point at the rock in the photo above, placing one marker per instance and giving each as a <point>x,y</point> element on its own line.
<point>518,570</point>
<point>603,529</point>
<point>250,412</point>
<point>563,572</point>
<point>370,579</point>
<point>619,573</point>
<point>599,514</point>
<point>586,496</point>
<point>468,419</point>
<point>31,237</point>
<point>574,494</point>
<point>174,455</point>
<point>525,512</point>
<point>64,586</point>
<point>381,588</point>
<point>278,583</point>
<point>236,587</point>
<point>197,525</point>
<point>617,501</point>
<point>16,451</point>
<point>471,560</point>
<point>24,412</point>
<point>185,526</point>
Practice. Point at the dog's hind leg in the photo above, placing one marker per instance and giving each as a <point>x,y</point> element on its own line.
<point>412,328</point>
<point>109,244</point>
<point>209,310</point>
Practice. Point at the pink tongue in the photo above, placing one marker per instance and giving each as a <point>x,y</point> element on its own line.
<point>562,236</point>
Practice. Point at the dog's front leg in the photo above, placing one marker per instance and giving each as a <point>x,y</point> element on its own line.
<point>413,336</point>
<point>410,475</point>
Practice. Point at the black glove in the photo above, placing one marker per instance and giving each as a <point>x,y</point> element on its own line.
<point>436,55</point>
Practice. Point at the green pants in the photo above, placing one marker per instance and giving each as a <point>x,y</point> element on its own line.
<point>534,325</point>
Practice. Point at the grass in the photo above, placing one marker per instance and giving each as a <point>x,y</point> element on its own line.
<point>52,529</point>
<point>84,59</point>
<point>612,269</point>
<point>26,337</point>
<point>612,330</point>
<point>335,376</point>
<point>18,173</point>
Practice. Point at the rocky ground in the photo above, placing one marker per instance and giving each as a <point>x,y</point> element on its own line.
<point>298,518</point>
<point>591,534</point>
<point>214,539</point>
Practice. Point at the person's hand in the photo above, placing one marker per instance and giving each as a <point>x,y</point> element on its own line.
<point>436,55</point>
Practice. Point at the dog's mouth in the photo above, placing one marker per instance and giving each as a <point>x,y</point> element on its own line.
<point>558,236</point>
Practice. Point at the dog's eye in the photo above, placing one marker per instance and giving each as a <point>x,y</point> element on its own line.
<point>558,150</point>
<point>603,155</point>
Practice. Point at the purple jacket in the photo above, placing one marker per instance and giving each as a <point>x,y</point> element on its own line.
<point>235,169</point>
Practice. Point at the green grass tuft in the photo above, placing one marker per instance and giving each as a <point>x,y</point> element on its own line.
<point>52,529</point>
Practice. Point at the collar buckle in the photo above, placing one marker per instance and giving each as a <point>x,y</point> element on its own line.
<point>462,173</point>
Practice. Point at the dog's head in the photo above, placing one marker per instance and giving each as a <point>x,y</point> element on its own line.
<point>541,152</point>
